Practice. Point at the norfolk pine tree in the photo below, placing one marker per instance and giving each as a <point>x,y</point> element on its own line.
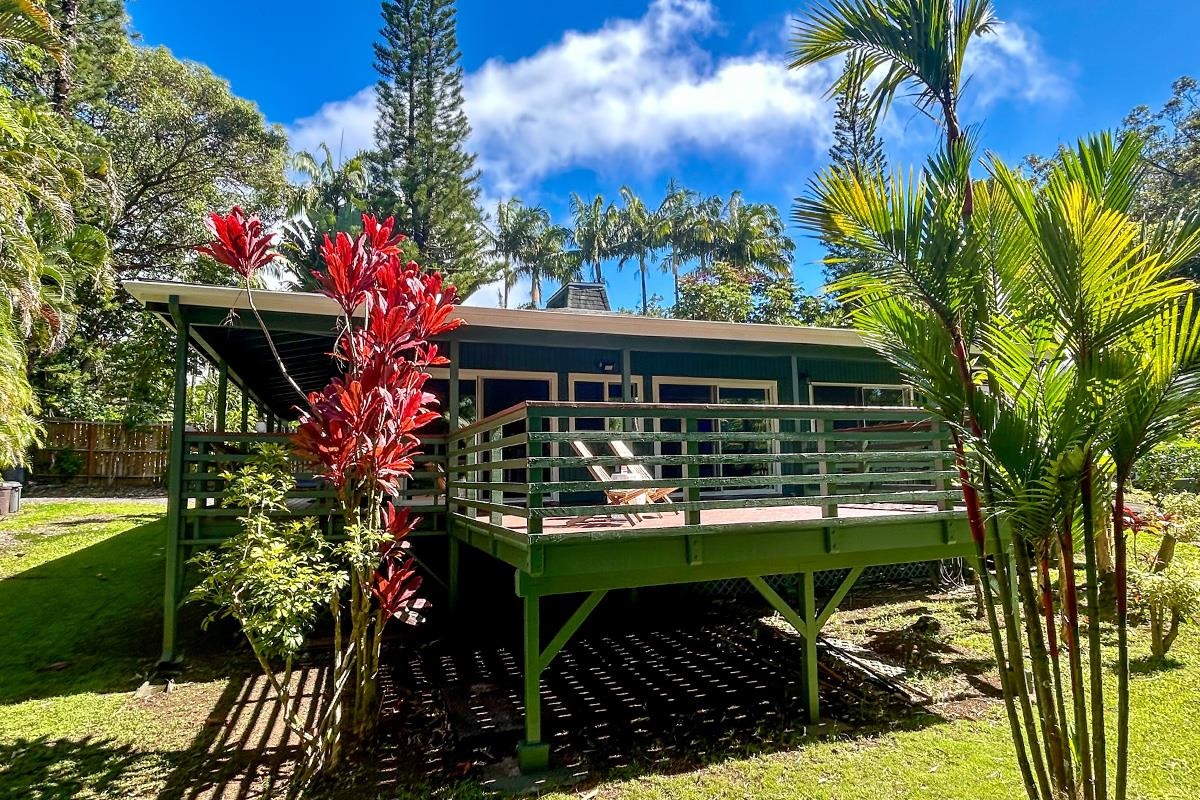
<point>425,176</point>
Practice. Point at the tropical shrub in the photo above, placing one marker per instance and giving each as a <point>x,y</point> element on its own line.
<point>1170,597</point>
<point>1167,590</point>
<point>273,577</point>
<point>361,431</point>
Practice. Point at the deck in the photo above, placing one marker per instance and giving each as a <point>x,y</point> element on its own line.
<point>665,516</point>
<point>565,493</point>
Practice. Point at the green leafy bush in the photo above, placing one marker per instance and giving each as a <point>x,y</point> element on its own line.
<point>1170,597</point>
<point>274,577</point>
<point>1161,471</point>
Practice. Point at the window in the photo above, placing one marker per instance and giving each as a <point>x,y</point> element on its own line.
<point>589,388</point>
<point>722,392</point>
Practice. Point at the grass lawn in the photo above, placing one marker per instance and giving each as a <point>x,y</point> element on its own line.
<point>80,587</point>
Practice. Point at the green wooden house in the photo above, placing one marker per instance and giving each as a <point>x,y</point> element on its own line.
<point>589,451</point>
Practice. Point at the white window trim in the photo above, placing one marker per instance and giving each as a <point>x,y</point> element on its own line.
<point>772,388</point>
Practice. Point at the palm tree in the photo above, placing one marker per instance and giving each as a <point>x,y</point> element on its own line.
<point>528,244</point>
<point>46,254</point>
<point>547,257</point>
<point>689,228</point>
<point>751,237</point>
<point>915,45</point>
<point>331,198</point>
<point>25,23</point>
<point>593,232</point>
<point>1058,301</point>
<point>637,235</point>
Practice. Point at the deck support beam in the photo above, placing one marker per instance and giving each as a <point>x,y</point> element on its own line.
<point>533,754</point>
<point>807,621</point>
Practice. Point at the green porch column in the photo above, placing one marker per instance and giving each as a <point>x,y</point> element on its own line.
<point>222,395</point>
<point>453,400</point>
<point>174,572</point>
<point>245,410</point>
<point>808,668</point>
<point>533,755</point>
<point>627,383</point>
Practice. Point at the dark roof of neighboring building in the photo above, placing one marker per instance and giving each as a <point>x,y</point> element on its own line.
<point>580,297</point>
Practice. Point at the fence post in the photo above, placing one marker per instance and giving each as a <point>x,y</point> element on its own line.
<point>496,496</point>
<point>939,464</point>
<point>91,452</point>
<point>534,421</point>
<point>827,509</point>
<point>692,448</point>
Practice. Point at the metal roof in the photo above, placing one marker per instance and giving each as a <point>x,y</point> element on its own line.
<point>303,330</point>
<point>150,293</point>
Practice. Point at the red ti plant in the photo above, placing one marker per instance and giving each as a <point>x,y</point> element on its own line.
<point>361,429</point>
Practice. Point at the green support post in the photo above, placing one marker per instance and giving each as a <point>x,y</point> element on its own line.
<point>452,568</point>
<point>809,672</point>
<point>174,570</point>
<point>533,755</point>
<point>222,395</point>
<point>245,410</point>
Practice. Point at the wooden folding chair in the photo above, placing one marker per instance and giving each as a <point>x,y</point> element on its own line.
<point>659,494</point>
<point>613,497</point>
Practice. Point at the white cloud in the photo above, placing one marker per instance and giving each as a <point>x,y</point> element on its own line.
<point>490,295</point>
<point>636,94</point>
<point>1010,64</point>
<point>634,91</point>
<point>639,91</point>
<point>350,122</point>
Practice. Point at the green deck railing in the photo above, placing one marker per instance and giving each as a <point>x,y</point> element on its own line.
<point>541,461</point>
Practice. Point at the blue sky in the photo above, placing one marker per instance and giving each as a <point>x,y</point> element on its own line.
<point>585,97</point>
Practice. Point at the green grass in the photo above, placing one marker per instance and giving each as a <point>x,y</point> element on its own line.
<point>80,587</point>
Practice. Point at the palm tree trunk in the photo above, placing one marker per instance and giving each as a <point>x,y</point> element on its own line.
<point>1039,660</point>
<point>1118,518</point>
<point>535,290</point>
<point>642,269</point>
<point>1095,658</point>
<point>1070,603</point>
<point>599,271</point>
<point>1056,663</point>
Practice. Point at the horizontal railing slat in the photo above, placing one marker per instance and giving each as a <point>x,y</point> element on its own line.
<point>899,498</point>
<point>740,481</point>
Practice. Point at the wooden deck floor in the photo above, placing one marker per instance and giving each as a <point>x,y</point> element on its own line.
<point>661,516</point>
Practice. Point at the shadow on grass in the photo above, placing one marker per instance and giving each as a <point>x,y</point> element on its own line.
<point>1153,665</point>
<point>89,621</point>
<point>46,769</point>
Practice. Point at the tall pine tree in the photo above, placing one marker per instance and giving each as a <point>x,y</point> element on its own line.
<point>424,174</point>
<point>856,149</point>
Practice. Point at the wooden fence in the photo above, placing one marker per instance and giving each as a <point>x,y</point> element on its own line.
<point>103,452</point>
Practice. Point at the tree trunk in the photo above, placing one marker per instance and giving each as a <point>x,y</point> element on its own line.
<point>64,73</point>
<point>535,291</point>
<point>642,270</point>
